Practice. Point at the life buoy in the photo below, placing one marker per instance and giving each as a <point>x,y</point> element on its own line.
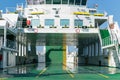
<point>77,30</point>
<point>36,30</point>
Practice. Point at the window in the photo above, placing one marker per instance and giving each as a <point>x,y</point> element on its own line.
<point>84,2</point>
<point>71,1</point>
<point>64,1</point>
<point>49,22</point>
<point>29,2</point>
<point>92,11</point>
<point>41,1</point>
<point>77,2</point>
<point>56,1</point>
<point>35,2</point>
<point>30,9</point>
<point>78,22</point>
<point>48,1</point>
<point>35,22</point>
<point>64,22</point>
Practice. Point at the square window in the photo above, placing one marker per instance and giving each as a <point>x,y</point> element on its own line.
<point>48,1</point>
<point>49,22</point>
<point>64,22</point>
<point>64,1</point>
<point>56,1</point>
<point>71,2</point>
<point>78,22</point>
<point>35,22</point>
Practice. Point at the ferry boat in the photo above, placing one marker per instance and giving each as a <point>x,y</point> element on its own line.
<point>58,31</point>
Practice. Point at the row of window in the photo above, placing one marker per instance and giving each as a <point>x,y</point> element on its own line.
<point>76,2</point>
<point>51,22</point>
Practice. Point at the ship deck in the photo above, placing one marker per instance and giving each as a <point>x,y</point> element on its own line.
<point>58,71</point>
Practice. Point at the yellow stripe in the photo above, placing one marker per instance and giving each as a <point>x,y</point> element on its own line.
<point>70,73</point>
<point>33,13</point>
<point>103,76</point>
<point>64,51</point>
<point>3,78</point>
<point>41,72</point>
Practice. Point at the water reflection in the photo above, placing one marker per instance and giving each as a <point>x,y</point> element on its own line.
<point>74,68</point>
<point>34,69</point>
<point>22,69</point>
<point>41,66</point>
<point>97,69</point>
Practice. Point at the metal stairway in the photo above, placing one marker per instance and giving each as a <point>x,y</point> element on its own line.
<point>110,39</point>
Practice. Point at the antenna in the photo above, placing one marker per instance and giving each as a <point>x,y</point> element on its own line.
<point>0,14</point>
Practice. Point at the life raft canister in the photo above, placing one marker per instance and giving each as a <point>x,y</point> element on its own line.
<point>77,30</point>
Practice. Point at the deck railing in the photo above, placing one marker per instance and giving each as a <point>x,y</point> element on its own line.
<point>1,42</point>
<point>108,41</point>
<point>11,44</point>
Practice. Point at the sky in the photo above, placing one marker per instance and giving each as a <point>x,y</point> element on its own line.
<point>112,7</point>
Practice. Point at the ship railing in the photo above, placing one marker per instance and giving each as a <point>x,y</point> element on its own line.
<point>1,44</point>
<point>108,41</point>
<point>11,44</point>
<point>52,26</point>
<point>19,24</point>
<point>91,12</point>
<point>100,13</point>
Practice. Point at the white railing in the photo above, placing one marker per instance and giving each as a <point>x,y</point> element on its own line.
<point>1,42</point>
<point>19,24</point>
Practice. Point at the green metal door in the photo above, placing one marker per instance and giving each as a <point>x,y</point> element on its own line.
<point>54,54</point>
